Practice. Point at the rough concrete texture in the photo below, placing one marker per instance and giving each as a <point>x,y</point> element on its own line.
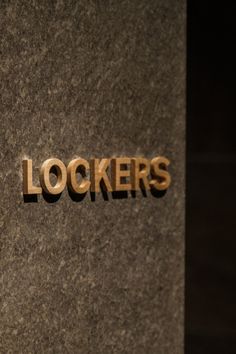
<point>92,79</point>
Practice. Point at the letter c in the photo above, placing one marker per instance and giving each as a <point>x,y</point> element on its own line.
<point>81,166</point>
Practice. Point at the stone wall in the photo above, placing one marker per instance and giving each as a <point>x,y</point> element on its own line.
<point>102,274</point>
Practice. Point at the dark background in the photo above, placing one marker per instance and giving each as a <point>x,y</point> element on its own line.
<point>211,178</point>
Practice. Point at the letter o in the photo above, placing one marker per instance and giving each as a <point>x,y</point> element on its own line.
<point>45,176</point>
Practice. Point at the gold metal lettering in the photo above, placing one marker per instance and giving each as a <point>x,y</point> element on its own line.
<point>140,169</point>
<point>98,175</point>
<point>118,173</point>
<point>81,166</point>
<point>28,187</point>
<point>46,167</point>
<point>162,177</point>
<point>125,174</point>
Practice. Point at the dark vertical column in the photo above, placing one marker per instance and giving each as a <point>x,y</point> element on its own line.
<point>211,173</point>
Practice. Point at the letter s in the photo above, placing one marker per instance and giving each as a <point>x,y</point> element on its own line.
<point>161,177</point>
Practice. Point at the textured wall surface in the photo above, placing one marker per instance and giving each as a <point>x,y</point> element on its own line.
<point>91,79</point>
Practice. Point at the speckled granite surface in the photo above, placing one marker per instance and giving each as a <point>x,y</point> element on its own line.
<point>95,79</point>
